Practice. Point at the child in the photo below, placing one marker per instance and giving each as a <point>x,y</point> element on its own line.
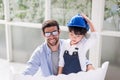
<point>73,53</point>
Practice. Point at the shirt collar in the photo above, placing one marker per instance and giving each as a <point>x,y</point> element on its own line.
<point>49,50</point>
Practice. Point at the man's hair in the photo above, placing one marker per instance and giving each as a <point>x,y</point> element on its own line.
<point>49,23</point>
<point>78,30</point>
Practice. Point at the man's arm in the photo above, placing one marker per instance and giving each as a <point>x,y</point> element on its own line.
<point>33,64</point>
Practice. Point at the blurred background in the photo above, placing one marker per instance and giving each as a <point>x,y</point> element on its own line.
<point>20,28</point>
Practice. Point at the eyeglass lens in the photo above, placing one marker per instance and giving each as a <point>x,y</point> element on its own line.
<point>54,33</point>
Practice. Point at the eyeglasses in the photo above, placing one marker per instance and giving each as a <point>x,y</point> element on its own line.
<point>54,33</point>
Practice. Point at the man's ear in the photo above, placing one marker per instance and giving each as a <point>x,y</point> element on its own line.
<point>59,31</point>
<point>42,33</point>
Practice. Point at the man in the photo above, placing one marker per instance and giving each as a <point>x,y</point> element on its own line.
<point>46,56</point>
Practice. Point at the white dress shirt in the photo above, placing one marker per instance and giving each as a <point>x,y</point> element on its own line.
<point>83,46</point>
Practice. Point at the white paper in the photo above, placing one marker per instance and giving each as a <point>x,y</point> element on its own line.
<point>98,74</point>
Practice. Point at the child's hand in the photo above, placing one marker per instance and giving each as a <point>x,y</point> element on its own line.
<point>89,22</point>
<point>86,18</point>
<point>90,67</point>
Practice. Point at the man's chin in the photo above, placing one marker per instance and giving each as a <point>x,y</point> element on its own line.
<point>53,43</point>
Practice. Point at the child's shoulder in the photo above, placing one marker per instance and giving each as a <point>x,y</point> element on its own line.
<point>91,34</point>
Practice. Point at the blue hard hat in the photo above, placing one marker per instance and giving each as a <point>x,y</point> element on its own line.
<point>78,21</point>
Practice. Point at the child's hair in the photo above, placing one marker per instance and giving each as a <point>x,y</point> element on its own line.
<point>77,30</point>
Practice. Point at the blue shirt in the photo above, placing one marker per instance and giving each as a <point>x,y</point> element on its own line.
<point>41,58</point>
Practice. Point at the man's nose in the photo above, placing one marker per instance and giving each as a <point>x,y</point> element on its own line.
<point>51,36</point>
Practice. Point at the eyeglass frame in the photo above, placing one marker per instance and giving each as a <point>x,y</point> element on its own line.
<point>54,33</point>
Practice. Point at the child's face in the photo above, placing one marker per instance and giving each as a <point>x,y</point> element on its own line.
<point>75,38</point>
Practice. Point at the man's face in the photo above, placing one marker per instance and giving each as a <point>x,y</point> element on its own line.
<point>52,35</point>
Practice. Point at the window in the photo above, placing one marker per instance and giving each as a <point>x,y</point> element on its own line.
<point>1,10</point>
<point>63,10</point>
<point>112,15</point>
<point>27,10</point>
<point>2,42</point>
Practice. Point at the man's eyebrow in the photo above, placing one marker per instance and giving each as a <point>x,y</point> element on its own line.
<point>52,31</point>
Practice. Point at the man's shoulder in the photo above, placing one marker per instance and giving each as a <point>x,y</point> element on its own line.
<point>39,52</point>
<point>40,48</point>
